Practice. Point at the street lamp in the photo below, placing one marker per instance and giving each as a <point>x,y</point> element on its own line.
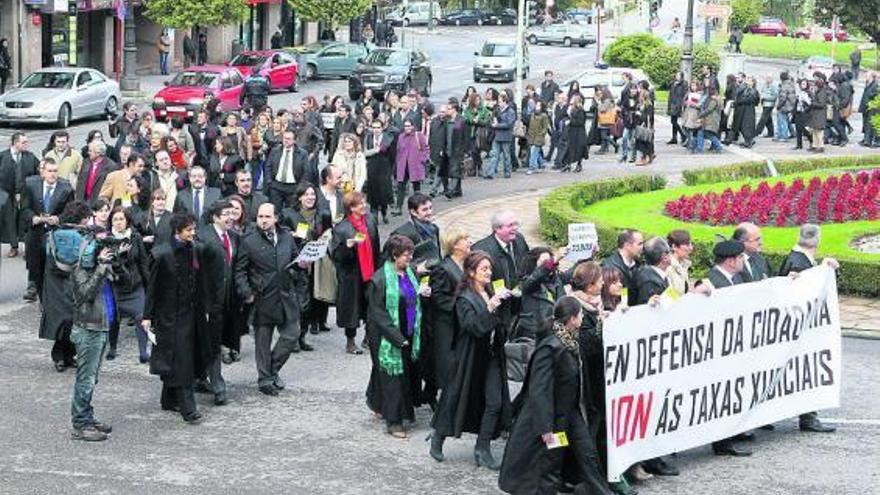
<point>687,56</point>
<point>129,81</point>
<point>522,15</point>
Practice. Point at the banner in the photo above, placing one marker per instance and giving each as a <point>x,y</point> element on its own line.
<point>313,251</point>
<point>583,241</point>
<point>703,368</point>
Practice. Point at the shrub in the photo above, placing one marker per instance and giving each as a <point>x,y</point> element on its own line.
<point>759,169</point>
<point>631,50</point>
<point>661,65</point>
<point>706,55</point>
<point>745,13</point>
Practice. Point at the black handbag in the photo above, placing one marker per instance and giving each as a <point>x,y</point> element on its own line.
<point>518,353</point>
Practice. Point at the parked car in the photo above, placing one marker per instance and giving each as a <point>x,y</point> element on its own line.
<point>506,17</point>
<point>804,33</point>
<point>612,77</point>
<point>330,59</point>
<point>59,95</point>
<point>581,16</point>
<point>496,60</point>
<point>829,33</point>
<point>277,65</point>
<point>465,17</point>
<point>389,69</point>
<point>770,27</point>
<point>815,63</point>
<point>565,34</point>
<point>414,13</point>
<point>184,94</point>
<point>807,32</point>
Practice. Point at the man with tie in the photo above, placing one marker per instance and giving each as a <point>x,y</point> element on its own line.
<point>94,173</point>
<point>288,165</point>
<point>197,198</point>
<point>219,249</point>
<point>16,165</point>
<point>265,278</point>
<point>755,266</point>
<point>42,201</point>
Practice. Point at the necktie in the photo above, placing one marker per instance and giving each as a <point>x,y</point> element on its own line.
<point>47,198</point>
<point>93,177</point>
<point>271,236</point>
<point>512,260</point>
<point>228,247</point>
<point>197,203</point>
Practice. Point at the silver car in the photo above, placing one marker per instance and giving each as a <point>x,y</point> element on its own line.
<point>59,95</point>
<point>564,34</point>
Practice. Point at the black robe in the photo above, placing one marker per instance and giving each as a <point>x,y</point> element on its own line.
<point>796,261</point>
<point>445,278</point>
<point>351,306</point>
<point>593,372</point>
<point>649,283</point>
<point>57,300</point>
<point>577,136</point>
<point>480,337</point>
<point>380,169</point>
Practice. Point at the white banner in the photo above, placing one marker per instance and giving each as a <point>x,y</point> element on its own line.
<point>702,369</point>
<point>313,251</point>
<point>582,241</point>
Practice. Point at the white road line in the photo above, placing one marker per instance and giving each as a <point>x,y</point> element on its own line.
<point>845,421</point>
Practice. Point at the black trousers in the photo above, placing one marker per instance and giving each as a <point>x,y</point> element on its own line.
<point>766,121</point>
<point>492,398</point>
<point>799,132</point>
<point>281,195</point>
<point>182,397</point>
<point>870,135</point>
<point>63,349</point>
<point>676,130</point>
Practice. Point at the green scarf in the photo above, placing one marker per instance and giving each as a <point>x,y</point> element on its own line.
<point>390,358</point>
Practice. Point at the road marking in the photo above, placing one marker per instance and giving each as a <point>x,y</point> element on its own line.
<point>844,421</point>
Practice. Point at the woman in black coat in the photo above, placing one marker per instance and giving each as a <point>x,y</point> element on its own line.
<point>577,134</point>
<point>5,64</point>
<point>224,163</point>
<point>552,402</point>
<point>675,107</point>
<point>380,168</point>
<point>231,339</point>
<point>307,223</point>
<point>476,399</point>
<point>131,273</point>
<point>444,279</point>
<point>154,224</point>
<point>354,249</point>
<point>540,288</point>
<point>746,100</point>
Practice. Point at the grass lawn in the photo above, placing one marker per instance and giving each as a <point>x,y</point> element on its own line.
<point>798,49</point>
<point>644,212</point>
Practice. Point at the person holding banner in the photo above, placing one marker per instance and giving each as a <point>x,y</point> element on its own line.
<point>755,267</point>
<point>550,442</point>
<point>476,399</point>
<point>626,260</point>
<point>650,279</point>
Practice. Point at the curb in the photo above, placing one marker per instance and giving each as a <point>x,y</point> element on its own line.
<point>855,333</point>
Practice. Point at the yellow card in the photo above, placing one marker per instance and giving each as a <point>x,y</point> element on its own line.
<point>359,237</point>
<point>624,293</point>
<point>302,230</point>
<point>671,293</point>
<point>425,280</point>
<point>560,439</point>
<point>498,285</point>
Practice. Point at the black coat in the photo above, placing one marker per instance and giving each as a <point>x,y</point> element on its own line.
<point>796,261</point>
<point>380,170</point>
<point>577,136</point>
<point>220,287</point>
<point>341,127</point>
<point>746,99</point>
<point>161,230</point>
<point>32,206</point>
<point>648,283</point>
<point>104,168</point>
<point>184,202</point>
<point>445,278</point>
<point>350,296</point>
<point>677,93</point>
<point>133,270</point>
<point>12,181</point>
<point>427,244</point>
<point>479,338</point>
<point>760,269</point>
<point>261,271</point>
<point>303,171</point>
<point>57,299</point>
<point>454,148</point>
<point>503,267</point>
<point>204,140</point>
<point>252,202</point>
<point>175,305</point>
<point>719,280</point>
<point>540,291</point>
<point>224,175</point>
<point>627,275</point>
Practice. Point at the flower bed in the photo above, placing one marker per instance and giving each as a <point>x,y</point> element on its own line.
<point>836,199</point>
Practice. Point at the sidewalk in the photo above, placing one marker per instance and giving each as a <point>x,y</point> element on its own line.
<point>859,317</point>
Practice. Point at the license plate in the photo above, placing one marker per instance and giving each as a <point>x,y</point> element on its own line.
<point>176,109</point>
<point>490,72</point>
<point>373,85</point>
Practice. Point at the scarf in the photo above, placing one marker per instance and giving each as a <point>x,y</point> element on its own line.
<point>390,357</point>
<point>566,336</point>
<point>365,248</point>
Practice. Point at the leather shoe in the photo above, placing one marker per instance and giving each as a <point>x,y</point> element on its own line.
<point>306,347</point>
<point>202,387</point>
<point>60,366</point>
<point>278,383</point>
<point>220,400</point>
<point>102,427</point>
<point>193,418</point>
<point>746,436</point>
<point>484,458</point>
<point>269,390</point>
<point>658,466</point>
<point>730,449</point>
<point>816,426</point>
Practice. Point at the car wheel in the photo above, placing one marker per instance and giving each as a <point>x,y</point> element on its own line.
<point>295,86</point>
<point>566,42</point>
<point>533,39</point>
<point>311,71</point>
<point>405,23</point>
<point>64,116</point>
<point>477,78</point>
<point>112,106</point>
<point>582,45</point>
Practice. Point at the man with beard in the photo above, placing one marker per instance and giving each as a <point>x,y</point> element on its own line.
<point>244,188</point>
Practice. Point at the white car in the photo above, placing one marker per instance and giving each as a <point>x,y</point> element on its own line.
<point>414,13</point>
<point>611,77</point>
<point>59,95</point>
<point>496,60</point>
<point>815,63</point>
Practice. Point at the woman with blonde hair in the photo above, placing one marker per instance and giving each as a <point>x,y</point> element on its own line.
<point>351,160</point>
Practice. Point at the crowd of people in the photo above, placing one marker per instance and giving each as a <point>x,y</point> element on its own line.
<point>192,234</point>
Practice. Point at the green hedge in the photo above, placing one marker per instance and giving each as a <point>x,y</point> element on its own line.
<point>564,205</point>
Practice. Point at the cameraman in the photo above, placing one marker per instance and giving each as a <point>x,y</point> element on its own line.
<point>94,313</point>
<point>131,269</point>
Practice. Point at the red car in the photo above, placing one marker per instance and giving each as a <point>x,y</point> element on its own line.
<point>841,35</point>
<point>770,27</point>
<point>279,66</point>
<point>184,94</point>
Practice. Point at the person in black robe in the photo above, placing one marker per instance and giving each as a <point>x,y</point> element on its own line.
<point>577,149</point>
<point>541,288</point>
<point>746,100</point>
<point>626,261</point>
<point>445,279</point>
<point>552,402</point>
<point>394,326</point>
<point>476,399</point>
<point>378,186</point>
<point>175,294</point>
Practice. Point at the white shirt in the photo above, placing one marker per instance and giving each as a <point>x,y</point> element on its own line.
<point>285,167</point>
<point>331,200</point>
<point>724,272</point>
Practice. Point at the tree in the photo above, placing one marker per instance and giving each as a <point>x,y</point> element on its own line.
<point>859,14</point>
<point>745,13</point>
<point>333,12</point>
<point>184,14</point>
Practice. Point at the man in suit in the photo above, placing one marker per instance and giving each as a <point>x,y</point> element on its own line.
<point>42,201</point>
<point>330,197</point>
<point>288,165</point>
<point>264,278</point>
<point>197,198</point>
<point>454,146</point>
<point>422,231</point>
<point>344,123</point>
<point>94,173</point>
<point>220,248</point>
<point>650,279</point>
<point>626,261</point>
<point>244,188</point>
<point>16,164</point>
<point>506,247</point>
<point>755,266</point>
<point>114,187</point>
<point>204,133</point>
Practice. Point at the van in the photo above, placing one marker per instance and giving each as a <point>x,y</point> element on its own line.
<point>496,60</point>
<point>414,13</point>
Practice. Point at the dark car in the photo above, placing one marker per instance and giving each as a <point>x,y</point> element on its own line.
<point>389,69</point>
<point>465,17</point>
<point>506,17</point>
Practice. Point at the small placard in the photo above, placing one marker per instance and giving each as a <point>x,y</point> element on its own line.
<point>560,439</point>
<point>302,230</point>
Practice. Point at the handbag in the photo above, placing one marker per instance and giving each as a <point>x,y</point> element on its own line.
<point>617,128</point>
<point>518,353</point>
<point>608,118</point>
<point>519,129</point>
<point>644,134</point>
<point>846,112</point>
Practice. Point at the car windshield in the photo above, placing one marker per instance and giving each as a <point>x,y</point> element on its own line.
<point>387,58</point>
<point>313,48</point>
<point>247,59</point>
<point>193,79</point>
<point>49,80</point>
<point>592,79</point>
<point>493,50</point>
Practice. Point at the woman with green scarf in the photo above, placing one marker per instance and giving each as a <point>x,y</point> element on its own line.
<point>394,319</point>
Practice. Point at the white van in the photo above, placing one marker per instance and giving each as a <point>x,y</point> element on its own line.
<point>414,13</point>
<point>496,60</point>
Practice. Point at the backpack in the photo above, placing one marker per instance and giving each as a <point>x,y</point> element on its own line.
<point>64,248</point>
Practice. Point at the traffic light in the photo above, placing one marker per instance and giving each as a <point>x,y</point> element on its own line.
<point>655,6</point>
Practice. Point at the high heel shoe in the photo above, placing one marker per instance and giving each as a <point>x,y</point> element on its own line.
<point>578,168</point>
<point>566,168</point>
<point>483,457</point>
<point>437,447</point>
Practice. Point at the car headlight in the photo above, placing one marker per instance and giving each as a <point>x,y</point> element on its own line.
<point>159,101</point>
<point>396,78</point>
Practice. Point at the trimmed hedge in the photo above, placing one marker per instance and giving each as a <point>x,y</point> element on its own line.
<point>563,206</point>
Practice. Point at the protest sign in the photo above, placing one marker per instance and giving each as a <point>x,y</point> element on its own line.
<point>582,241</point>
<point>704,368</point>
<point>312,251</point>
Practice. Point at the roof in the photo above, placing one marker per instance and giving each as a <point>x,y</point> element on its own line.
<point>261,52</point>
<point>64,69</point>
<point>207,68</point>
